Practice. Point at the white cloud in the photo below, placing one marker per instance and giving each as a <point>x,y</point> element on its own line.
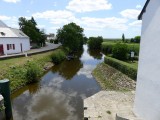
<point>136,23</point>
<point>88,5</point>
<point>101,23</point>
<point>138,6</point>
<point>4,17</point>
<point>56,17</point>
<point>130,13</point>
<point>40,26</point>
<point>61,14</point>
<point>12,1</point>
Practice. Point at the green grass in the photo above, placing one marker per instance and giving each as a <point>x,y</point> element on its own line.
<point>15,69</point>
<point>112,79</point>
<point>128,68</point>
<point>108,45</point>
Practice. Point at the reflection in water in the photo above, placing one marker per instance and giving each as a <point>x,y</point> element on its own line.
<point>96,54</point>
<point>60,93</point>
<point>68,68</point>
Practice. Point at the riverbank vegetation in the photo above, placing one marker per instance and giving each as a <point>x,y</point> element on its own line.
<point>58,56</point>
<point>94,43</point>
<point>111,79</point>
<point>71,37</point>
<point>117,72</point>
<point>24,70</point>
<point>129,69</point>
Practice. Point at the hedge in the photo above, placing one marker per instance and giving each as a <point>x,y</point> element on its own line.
<point>124,67</point>
<point>108,46</point>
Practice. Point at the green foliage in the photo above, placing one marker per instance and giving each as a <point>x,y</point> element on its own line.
<point>85,40</point>
<point>29,27</point>
<point>120,51</point>
<point>137,39</point>
<point>71,36</point>
<point>2,107</point>
<point>123,38</point>
<point>51,41</point>
<point>33,72</point>
<point>122,66</point>
<point>56,41</point>
<point>95,42</point>
<point>134,47</point>
<point>58,56</point>
<point>107,47</point>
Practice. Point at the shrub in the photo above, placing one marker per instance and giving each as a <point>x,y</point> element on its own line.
<point>107,47</point>
<point>33,72</point>
<point>55,41</point>
<point>95,42</point>
<point>134,47</point>
<point>120,51</point>
<point>58,56</point>
<point>51,41</point>
<point>124,67</point>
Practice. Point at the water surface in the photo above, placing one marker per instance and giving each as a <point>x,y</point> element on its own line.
<point>59,94</point>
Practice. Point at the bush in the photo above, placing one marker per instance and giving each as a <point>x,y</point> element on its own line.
<point>107,47</point>
<point>51,41</point>
<point>55,41</point>
<point>124,67</point>
<point>33,72</point>
<point>120,51</point>
<point>134,47</point>
<point>95,42</point>
<point>58,56</point>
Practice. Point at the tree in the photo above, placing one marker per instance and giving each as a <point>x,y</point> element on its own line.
<point>71,36</point>
<point>137,39</point>
<point>29,27</point>
<point>123,37</point>
<point>120,51</point>
<point>95,42</point>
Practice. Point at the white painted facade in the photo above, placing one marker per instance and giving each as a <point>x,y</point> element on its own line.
<point>18,42</point>
<point>147,99</point>
<point>12,40</point>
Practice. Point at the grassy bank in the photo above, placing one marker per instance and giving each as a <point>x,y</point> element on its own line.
<point>15,69</point>
<point>112,79</point>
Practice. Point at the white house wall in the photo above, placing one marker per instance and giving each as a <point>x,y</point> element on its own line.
<point>147,100</point>
<point>17,41</point>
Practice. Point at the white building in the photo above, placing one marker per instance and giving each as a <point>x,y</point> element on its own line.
<point>51,36</point>
<point>147,99</point>
<point>12,40</point>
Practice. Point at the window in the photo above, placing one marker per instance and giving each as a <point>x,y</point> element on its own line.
<point>2,33</point>
<point>10,46</point>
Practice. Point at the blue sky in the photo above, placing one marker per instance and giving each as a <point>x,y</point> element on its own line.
<point>107,18</point>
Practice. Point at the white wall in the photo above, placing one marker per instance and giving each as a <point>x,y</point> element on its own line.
<point>17,41</point>
<point>147,100</point>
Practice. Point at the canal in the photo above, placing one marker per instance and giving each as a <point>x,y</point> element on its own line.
<point>59,94</point>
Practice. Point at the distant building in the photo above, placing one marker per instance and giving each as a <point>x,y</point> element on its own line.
<point>147,98</point>
<point>51,36</point>
<point>12,40</point>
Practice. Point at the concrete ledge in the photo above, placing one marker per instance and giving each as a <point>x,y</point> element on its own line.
<point>110,105</point>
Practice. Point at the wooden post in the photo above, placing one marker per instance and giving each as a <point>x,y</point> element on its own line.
<point>5,91</point>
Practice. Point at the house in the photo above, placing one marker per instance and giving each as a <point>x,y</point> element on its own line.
<point>147,98</point>
<point>50,37</point>
<point>12,40</point>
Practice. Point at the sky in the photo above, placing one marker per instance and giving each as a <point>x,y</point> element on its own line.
<point>106,18</point>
